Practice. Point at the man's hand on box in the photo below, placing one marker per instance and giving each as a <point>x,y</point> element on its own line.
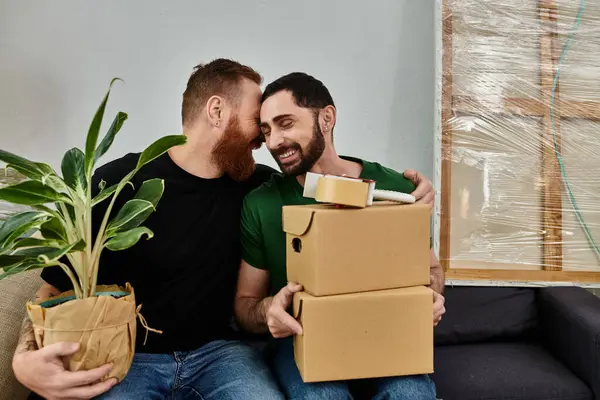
<point>438,308</point>
<point>281,324</point>
<point>424,192</point>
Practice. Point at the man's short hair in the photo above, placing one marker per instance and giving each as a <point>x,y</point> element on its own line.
<point>220,77</point>
<point>307,91</point>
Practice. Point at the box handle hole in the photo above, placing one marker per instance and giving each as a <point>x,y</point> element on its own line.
<point>297,245</point>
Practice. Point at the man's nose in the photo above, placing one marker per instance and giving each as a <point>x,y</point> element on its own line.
<point>275,140</point>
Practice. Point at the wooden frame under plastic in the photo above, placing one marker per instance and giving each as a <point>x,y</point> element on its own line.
<point>551,270</point>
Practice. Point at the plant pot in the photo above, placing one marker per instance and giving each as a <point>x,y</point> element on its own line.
<point>103,325</point>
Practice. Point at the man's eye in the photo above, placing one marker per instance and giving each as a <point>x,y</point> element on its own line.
<point>287,124</point>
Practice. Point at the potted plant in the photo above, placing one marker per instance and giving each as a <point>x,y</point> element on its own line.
<point>101,318</point>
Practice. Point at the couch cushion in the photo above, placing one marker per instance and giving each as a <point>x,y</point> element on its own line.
<point>480,314</point>
<point>515,371</point>
<point>16,291</point>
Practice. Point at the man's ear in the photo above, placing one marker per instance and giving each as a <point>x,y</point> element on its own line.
<point>214,111</point>
<point>327,119</point>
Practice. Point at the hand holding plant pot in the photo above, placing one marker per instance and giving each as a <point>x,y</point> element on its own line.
<point>102,319</point>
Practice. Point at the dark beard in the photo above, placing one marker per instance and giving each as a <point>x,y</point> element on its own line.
<point>308,158</point>
<point>233,153</point>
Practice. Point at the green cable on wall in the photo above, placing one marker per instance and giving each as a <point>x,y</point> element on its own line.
<point>561,163</point>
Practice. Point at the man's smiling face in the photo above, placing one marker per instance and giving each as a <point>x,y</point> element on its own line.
<point>292,133</point>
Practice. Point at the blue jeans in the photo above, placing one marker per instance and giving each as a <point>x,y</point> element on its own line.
<point>417,387</point>
<point>220,370</point>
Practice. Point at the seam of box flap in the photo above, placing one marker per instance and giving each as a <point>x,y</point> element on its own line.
<point>297,221</point>
<point>298,310</point>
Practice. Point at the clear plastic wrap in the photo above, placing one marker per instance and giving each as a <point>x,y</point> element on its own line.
<point>520,133</point>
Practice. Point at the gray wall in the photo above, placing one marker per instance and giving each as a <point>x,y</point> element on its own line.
<point>58,57</point>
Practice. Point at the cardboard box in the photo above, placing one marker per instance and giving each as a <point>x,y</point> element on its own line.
<point>335,251</point>
<point>364,335</point>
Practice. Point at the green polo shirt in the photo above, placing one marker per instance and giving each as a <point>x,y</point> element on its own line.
<point>262,236</point>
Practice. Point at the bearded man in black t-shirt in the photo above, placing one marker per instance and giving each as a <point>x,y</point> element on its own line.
<point>185,276</point>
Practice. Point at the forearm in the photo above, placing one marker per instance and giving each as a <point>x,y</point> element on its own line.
<point>438,281</point>
<point>27,338</point>
<point>251,314</point>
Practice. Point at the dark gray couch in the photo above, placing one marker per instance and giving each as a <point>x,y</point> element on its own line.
<point>518,344</point>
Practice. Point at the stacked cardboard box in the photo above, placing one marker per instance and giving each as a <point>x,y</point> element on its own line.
<point>365,310</point>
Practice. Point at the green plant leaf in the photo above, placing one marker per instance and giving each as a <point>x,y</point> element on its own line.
<point>9,260</point>
<point>18,224</point>
<point>35,257</point>
<point>35,242</point>
<point>125,240</point>
<point>53,229</point>
<point>56,183</point>
<point>23,266</point>
<point>45,168</point>
<point>31,193</point>
<point>36,251</point>
<point>50,254</point>
<point>94,131</point>
<point>160,147</point>
<point>73,169</point>
<point>133,213</point>
<point>104,194</point>
<point>110,135</point>
<point>151,190</point>
<point>22,165</point>
<point>48,210</point>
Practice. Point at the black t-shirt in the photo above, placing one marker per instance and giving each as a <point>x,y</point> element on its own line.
<point>185,276</point>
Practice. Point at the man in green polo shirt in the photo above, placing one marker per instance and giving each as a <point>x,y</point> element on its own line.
<point>297,120</point>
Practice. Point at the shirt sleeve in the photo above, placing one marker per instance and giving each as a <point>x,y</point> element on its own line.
<point>251,237</point>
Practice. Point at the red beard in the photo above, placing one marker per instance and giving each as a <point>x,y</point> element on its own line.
<point>233,153</point>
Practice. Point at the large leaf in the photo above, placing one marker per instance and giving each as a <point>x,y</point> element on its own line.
<point>18,224</point>
<point>35,242</point>
<point>7,261</point>
<point>45,168</point>
<point>47,254</point>
<point>53,229</point>
<point>125,240</point>
<point>73,169</point>
<point>151,190</point>
<point>56,183</point>
<point>22,165</point>
<point>133,213</point>
<point>48,210</point>
<point>31,193</point>
<point>22,266</point>
<point>94,130</point>
<point>110,135</point>
<point>159,147</point>
<point>37,257</point>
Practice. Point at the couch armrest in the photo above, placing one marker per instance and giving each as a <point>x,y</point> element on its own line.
<point>570,325</point>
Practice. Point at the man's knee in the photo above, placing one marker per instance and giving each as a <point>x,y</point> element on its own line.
<point>319,391</point>
<point>416,387</point>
